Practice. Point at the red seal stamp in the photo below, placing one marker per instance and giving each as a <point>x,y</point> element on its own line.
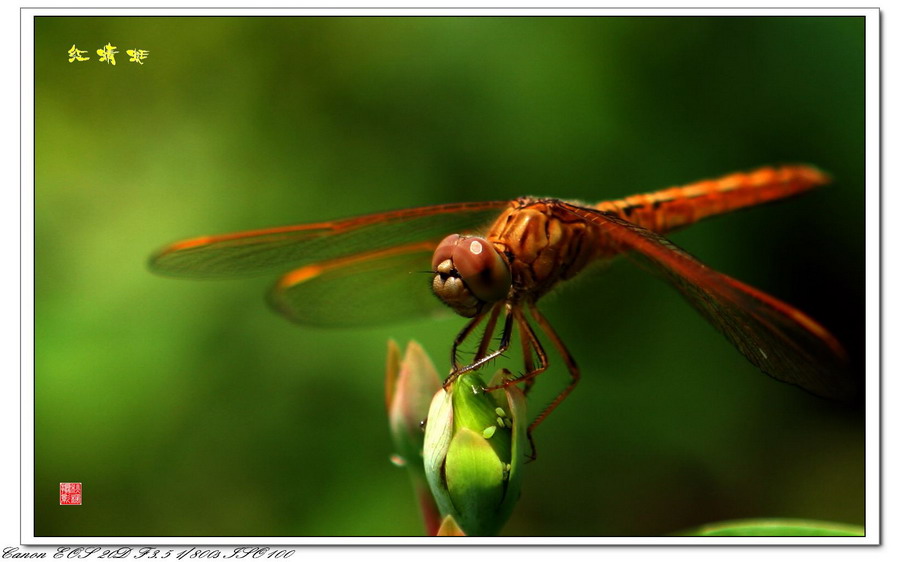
<point>70,493</point>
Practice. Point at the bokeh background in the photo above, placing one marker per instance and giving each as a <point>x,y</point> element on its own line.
<point>189,408</point>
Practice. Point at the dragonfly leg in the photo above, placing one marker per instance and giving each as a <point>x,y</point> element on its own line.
<point>574,373</point>
<point>530,342</point>
<point>527,348</point>
<point>460,338</point>
<point>482,357</point>
<point>488,334</point>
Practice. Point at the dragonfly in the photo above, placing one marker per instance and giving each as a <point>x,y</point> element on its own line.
<point>492,261</point>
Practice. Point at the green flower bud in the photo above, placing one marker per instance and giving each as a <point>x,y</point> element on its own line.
<point>410,383</point>
<point>475,446</point>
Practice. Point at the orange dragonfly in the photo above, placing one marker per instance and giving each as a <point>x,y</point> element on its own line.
<point>365,270</point>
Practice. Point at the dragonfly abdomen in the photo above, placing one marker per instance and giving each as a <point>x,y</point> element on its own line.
<point>669,209</point>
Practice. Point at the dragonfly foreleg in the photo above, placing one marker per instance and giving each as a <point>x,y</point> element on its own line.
<point>482,357</point>
<point>458,341</point>
<point>485,344</point>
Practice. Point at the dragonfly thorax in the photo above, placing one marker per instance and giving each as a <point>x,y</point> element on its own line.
<point>469,274</point>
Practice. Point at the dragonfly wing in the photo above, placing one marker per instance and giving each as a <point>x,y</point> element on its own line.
<point>376,288</point>
<point>780,340</point>
<point>274,249</point>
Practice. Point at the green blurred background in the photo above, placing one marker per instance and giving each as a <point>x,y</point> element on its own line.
<point>189,408</point>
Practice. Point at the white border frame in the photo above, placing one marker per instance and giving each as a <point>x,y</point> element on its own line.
<point>873,279</point>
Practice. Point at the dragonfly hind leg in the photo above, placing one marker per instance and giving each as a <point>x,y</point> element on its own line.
<point>530,342</point>
<point>574,373</point>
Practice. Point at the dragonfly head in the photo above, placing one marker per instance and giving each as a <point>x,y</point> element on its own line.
<point>469,273</point>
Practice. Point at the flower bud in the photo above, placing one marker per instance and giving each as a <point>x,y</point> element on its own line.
<point>474,450</point>
<point>410,382</point>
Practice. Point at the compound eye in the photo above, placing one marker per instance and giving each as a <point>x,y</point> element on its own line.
<point>482,268</point>
<point>444,250</point>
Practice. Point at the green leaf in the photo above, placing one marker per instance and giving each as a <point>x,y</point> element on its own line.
<point>776,528</point>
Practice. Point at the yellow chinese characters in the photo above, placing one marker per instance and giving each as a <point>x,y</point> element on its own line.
<point>137,55</point>
<point>75,54</point>
<point>108,54</point>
